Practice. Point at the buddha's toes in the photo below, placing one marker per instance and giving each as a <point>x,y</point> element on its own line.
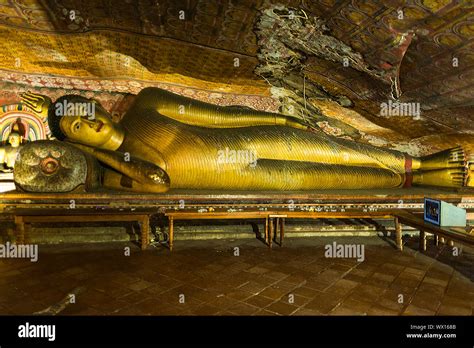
<point>454,158</point>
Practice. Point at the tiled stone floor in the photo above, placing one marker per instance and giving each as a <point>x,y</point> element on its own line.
<point>294,280</point>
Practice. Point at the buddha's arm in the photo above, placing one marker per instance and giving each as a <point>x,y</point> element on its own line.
<point>197,113</point>
<point>132,173</point>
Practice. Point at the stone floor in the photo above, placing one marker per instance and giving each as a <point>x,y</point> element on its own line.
<point>241,277</point>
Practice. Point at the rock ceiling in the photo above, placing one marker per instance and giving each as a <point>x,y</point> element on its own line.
<point>335,62</point>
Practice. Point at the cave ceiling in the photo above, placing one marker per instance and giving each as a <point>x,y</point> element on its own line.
<point>334,62</point>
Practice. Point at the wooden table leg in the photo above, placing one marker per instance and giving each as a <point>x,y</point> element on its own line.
<point>171,233</point>
<point>271,233</point>
<point>282,230</point>
<point>27,232</point>
<point>398,234</point>
<point>20,230</point>
<point>277,227</point>
<point>435,239</point>
<point>266,230</point>
<point>422,240</point>
<point>145,232</point>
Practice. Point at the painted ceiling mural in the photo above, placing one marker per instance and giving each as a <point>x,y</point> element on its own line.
<point>336,62</point>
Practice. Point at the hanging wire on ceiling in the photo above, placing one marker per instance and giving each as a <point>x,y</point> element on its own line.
<point>304,97</point>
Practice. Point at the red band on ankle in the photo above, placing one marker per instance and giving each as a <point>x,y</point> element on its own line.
<point>408,172</point>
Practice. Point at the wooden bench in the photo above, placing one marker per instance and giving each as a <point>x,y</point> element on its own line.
<point>23,220</point>
<point>192,215</point>
<point>279,225</point>
<point>275,222</point>
<point>274,219</point>
<point>450,234</point>
<point>400,217</point>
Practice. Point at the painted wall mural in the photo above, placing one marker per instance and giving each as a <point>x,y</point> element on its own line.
<point>19,118</point>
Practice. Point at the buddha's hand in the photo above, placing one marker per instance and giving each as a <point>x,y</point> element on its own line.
<point>36,102</point>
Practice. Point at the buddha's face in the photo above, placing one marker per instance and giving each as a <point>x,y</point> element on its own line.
<point>98,131</point>
<point>14,140</point>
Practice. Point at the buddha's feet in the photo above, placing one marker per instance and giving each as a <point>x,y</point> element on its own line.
<point>451,158</point>
<point>448,177</point>
<point>447,168</point>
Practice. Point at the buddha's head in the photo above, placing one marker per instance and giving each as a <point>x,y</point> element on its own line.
<point>84,121</point>
<point>14,139</point>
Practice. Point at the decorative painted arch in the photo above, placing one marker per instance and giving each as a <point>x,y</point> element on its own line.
<point>32,126</point>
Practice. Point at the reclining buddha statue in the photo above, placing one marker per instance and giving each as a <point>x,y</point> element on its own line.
<point>169,141</point>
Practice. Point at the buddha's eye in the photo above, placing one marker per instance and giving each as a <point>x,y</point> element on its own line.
<point>77,126</point>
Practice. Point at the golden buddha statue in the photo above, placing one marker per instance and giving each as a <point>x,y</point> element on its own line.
<point>8,154</point>
<point>169,141</point>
